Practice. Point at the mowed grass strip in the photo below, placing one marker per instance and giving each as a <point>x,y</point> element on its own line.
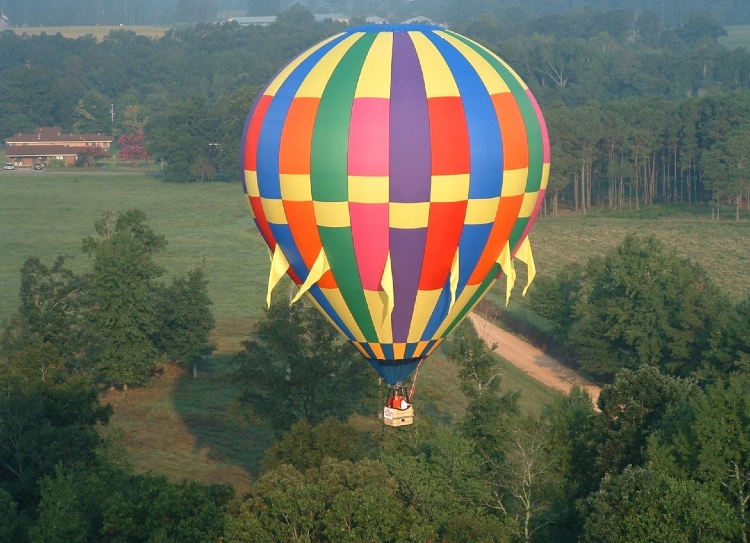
<point>99,32</point>
<point>188,428</point>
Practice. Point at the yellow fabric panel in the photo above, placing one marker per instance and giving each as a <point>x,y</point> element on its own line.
<point>375,79</point>
<point>514,181</point>
<point>528,205</point>
<point>423,307</point>
<point>511,70</point>
<point>333,295</point>
<point>279,266</point>
<point>492,80</point>
<point>361,349</point>
<point>438,79</point>
<point>386,281</point>
<point>251,183</point>
<point>462,300</point>
<point>421,346</point>
<point>295,187</point>
<point>454,279</point>
<point>274,210</point>
<point>334,214</point>
<point>408,215</point>
<point>506,263</point>
<point>482,211</point>
<point>377,302</point>
<point>449,188</point>
<point>368,190</point>
<point>524,255</point>
<point>378,350</point>
<point>399,350</point>
<point>317,79</point>
<point>545,175</point>
<point>273,88</point>
<point>319,267</point>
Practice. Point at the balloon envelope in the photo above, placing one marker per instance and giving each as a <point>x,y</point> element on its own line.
<point>392,170</point>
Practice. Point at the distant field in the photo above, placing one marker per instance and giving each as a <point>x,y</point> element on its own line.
<point>738,36</point>
<point>99,32</point>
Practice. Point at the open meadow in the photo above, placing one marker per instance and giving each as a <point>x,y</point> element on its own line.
<point>188,428</point>
<point>98,32</point>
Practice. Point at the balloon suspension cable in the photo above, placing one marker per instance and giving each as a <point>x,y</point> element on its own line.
<point>414,382</point>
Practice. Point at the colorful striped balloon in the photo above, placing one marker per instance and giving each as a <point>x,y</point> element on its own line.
<point>394,171</point>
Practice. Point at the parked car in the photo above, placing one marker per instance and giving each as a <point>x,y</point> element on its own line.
<point>38,166</point>
<point>9,166</point>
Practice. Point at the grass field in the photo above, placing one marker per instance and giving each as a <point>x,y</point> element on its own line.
<point>737,36</point>
<point>188,428</point>
<point>99,32</point>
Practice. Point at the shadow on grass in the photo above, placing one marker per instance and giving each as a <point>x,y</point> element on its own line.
<point>207,406</point>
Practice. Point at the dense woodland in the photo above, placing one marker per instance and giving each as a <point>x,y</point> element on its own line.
<point>642,111</point>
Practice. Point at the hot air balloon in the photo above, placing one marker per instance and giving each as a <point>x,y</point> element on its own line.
<point>394,172</point>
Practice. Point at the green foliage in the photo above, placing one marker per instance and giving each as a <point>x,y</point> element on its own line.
<point>632,408</point>
<point>107,503</point>
<point>122,285</point>
<point>478,369</point>
<point>184,317</point>
<point>642,505</point>
<point>638,305</point>
<point>48,338</point>
<point>306,446</point>
<point>341,501</point>
<point>298,367</point>
<point>571,430</point>
<point>440,474</point>
<point>41,426</point>
<point>708,440</point>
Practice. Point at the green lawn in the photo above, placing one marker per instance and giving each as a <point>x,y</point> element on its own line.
<point>49,214</point>
<point>737,36</point>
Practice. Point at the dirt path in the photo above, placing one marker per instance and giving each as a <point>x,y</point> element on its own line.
<point>531,360</point>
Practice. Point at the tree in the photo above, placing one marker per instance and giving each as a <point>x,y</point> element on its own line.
<point>109,503</point>
<point>477,367</point>
<point>49,338</point>
<point>644,305</point>
<point>297,367</point>
<point>131,148</point>
<point>89,155</point>
<point>530,476</point>
<point>341,501</point>
<point>632,409</point>
<point>644,505</point>
<point>708,441</point>
<point>726,167</point>
<point>122,288</point>
<point>306,446</point>
<point>571,428</point>
<point>41,426</point>
<point>185,321</point>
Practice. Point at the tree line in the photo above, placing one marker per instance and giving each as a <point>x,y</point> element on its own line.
<point>661,459</point>
<point>640,112</point>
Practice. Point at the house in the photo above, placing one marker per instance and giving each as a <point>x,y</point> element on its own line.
<point>375,20</point>
<point>270,19</point>
<point>50,143</point>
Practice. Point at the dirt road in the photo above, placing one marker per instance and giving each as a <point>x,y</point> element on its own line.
<point>531,360</point>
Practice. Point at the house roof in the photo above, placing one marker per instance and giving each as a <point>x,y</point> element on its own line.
<point>18,151</point>
<point>55,134</point>
<point>268,19</point>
